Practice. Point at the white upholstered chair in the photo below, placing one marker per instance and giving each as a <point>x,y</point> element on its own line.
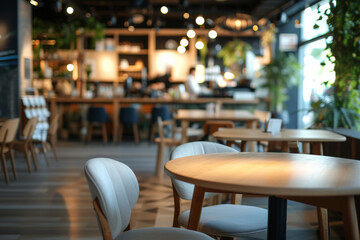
<point>115,190</point>
<point>223,220</point>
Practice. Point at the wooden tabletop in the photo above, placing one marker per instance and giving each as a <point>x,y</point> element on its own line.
<point>151,100</point>
<point>203,115</point>
<point>301,135</point>
<point>281,174</point>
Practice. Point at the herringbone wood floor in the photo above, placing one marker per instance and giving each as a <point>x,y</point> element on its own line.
<point>54,203</point>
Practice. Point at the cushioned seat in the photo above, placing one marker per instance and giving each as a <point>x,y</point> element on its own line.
<point>128,115</point>
<point>230,220</point>
<point>162,233</point>
<point>115,190</point>
<point>224,220</point>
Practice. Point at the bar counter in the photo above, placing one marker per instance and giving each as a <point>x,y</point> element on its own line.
<point>57,102</point>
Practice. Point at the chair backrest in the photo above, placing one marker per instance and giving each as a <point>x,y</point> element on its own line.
<point>29,128</point>
<point>9,129</point>
<point>212,126</point>
<point>54,124</point>
<point>97,114</point>
<point>185,190</point>
<point>162,112</point>
<point>162,124</point>
<point>115,186</point>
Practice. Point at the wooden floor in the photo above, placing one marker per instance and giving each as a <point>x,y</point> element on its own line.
<point>54,203</point>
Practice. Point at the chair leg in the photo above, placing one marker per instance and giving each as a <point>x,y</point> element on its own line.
<point>323,223</point>
<point>104,132</point>
<point>4,167</point>
<point>34,157</point>
<point>152,132</point>
<point>90,129</point>
<point>52,146</point>
<point>42,146</point>
<point>121,129</point>
<point>136,133</point>
<point>26,154</point>
<point>160,161</point>
<point>12,161</point>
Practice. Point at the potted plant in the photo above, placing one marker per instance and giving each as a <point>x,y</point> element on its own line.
<point>280,74</point>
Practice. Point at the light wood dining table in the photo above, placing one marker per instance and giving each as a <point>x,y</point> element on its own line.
<point>308,137</point>
<point>322,181</point>
<point>197,115</point>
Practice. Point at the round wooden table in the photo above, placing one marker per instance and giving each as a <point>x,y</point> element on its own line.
<point>322,181</point>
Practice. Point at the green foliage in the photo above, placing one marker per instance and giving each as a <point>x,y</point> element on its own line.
<point>331,114</point>
<point>280,74</point>
<point>344,27</point>
<point>66,33</point>
<point>234,52</point>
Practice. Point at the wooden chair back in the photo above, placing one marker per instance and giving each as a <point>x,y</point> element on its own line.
<point>212,126</point>
<point>54,124</point>
<point>8,130</point>
<point>162,124</point>
<point>29,128</point>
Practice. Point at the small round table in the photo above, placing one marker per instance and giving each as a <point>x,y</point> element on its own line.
<point>322,181</point>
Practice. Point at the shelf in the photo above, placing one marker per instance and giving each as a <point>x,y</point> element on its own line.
<point>140,52</point>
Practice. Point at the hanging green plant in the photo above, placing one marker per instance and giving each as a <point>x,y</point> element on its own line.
<point>343,41</point>
<point>234,52</point>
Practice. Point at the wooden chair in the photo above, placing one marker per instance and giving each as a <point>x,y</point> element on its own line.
<point>212,126</point>
<point>51,136</point>
<point>223,220</point>
<point>25,143</point>
<point>50,139</point>
<point>113,205</point>
<point>163,143</point>
<point>97,115</point>
<point>7,135</point>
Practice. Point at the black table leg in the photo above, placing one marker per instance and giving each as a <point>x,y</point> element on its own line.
<point>277,218</point>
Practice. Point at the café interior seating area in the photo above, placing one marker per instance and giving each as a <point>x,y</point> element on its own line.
<point>179,119</point>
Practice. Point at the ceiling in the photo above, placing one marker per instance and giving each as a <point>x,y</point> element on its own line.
<point>114,13</point>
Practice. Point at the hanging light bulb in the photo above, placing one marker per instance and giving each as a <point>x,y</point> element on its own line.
<point>191,33</point>
<point>199,45</point>
<point>255,28</point>
<point>200,20</point>
<point>184,42</point>
<point>34,3</point>
<point>70,67</point>
<point>186,15</point>
<point>181,49</point>
<point>164,10</point>
<point>212,34</point>
<point>70,10</point>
